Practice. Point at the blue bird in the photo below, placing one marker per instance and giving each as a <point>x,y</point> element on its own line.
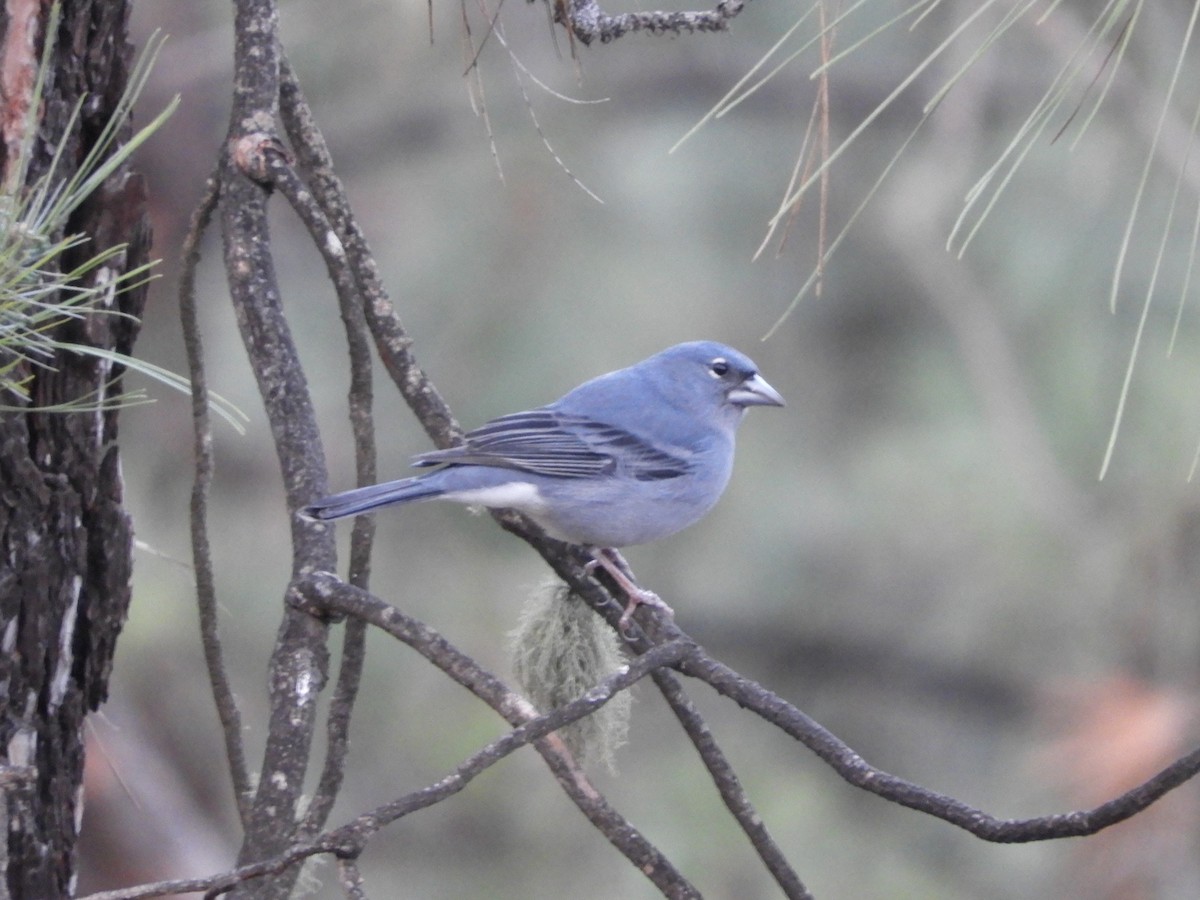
<point>626,458</point>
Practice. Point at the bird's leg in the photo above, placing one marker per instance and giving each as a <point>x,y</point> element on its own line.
<point>614,563</point>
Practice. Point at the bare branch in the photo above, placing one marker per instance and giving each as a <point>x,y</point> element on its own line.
<point>348,841</point>
<point>566,562</point>
<point>284,178</point>
<point>325,589</point>
<point>854,769</point>
<point>730,787</point>
<point>587,21</point>
<point>202,563</point>
<point>337,726</point>
<point>300,659</point>
<point>391,339</point>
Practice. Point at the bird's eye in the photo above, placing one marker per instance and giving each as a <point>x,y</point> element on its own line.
<point>718,367</point>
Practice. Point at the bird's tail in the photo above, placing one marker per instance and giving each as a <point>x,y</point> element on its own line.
<point>365,499</point>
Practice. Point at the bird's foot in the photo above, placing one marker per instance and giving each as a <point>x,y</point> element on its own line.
<point>614,564</point>
<point>642,597</point>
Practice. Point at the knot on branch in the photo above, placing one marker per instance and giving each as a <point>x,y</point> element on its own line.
<point>256,153</point>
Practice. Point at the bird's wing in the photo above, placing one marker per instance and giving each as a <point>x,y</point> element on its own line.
<point>548,442</point>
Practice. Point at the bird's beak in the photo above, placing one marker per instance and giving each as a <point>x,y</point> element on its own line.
<point>755,391</point>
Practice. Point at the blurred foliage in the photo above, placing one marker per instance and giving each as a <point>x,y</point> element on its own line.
<point>917,551</point>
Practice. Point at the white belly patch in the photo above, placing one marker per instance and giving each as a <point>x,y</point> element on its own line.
<point>515,494</point>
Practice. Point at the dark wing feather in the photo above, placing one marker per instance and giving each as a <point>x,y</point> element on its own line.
<point>546,442</point>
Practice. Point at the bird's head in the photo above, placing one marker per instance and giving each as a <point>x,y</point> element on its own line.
<point>706,375</point>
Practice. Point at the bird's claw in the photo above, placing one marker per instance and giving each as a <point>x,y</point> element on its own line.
<point>613,563</point>
<point>616,565</point>
<point>642,597</point>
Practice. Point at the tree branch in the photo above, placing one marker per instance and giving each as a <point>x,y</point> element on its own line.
<point>202,563</point>
<point>300,659</point>
<point>587,21</point>
<point>284,179</point>
<point>730,787</point>
<point>391,340</point>
<point>566,562</point>
<point>325,590</point>
<point>349,840</point>
<point>854,769</point>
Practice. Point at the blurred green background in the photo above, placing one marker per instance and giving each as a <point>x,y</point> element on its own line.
<point>916,551</point>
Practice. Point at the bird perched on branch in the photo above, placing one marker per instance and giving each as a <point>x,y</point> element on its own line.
<point>626,458</point>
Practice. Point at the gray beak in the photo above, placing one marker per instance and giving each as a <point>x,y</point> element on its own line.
<point>755,391</point>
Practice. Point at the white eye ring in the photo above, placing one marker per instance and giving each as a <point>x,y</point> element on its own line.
<point>719,367</point>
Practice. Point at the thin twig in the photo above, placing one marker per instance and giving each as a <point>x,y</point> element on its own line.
<point>326,590</point>
<point>351,879</point>
<point>337,727</point>
<point>202,563</point>
<point>854,769</point>
<point>729,787</point>
<point>349,839</point>
<point>285,179</point>
<point>391,340</point>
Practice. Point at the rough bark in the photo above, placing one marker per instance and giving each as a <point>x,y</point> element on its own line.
<point>65,539</point>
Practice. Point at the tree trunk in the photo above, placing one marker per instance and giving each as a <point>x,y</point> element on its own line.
<point>65,539</point>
